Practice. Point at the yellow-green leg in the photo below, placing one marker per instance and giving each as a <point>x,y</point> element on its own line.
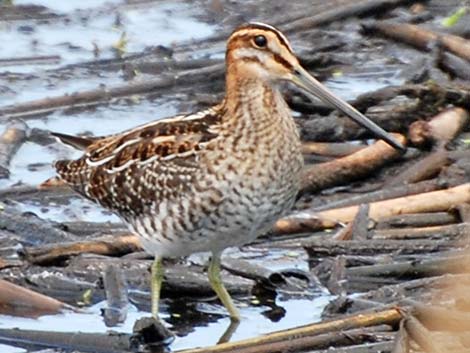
<point>214,278</point>
<point>156,284</point>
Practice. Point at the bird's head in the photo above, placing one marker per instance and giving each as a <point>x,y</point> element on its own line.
<point>260,51</point>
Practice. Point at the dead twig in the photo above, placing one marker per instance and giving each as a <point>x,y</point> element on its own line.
<point>439,130</point>
<point>385,193</point>
<point>420,268</point>
<point>435,201</point>
<point>426,168</point>
<point>419,37</point>
<point>419,220</point>
<point>322,247</point>
<point>264,343</point>
<point>291,225</point>
<point>96,96</point>
<point>31,60</point>
<point>331,149</point>
<point>19,301</point>
<point>50,254</point>
<point>112,342</point>
<point>444,231</point>
<point>354,9</point>
<point>354,166</point>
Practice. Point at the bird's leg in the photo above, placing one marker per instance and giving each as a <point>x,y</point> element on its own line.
<point>214,278</point>
<point>156,284</point>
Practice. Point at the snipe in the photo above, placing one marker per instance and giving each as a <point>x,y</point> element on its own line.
<point>213,179</point>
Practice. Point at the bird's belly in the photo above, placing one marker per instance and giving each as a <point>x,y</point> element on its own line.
<point>244,213</point>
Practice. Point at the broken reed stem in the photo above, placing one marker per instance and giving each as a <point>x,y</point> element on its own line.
<point>352,9</point>
<point>331,149</point>
<point>442,200</point>
<point>423,169</point>
<point>115,246</point>
<point>351,167</point>
<point>427,232</point>
<point>384,317</point>
<point>95,96</point>
<point>440,129</point>
<point>20,301</point>
<point>434,201</point>
<point>419,37</point>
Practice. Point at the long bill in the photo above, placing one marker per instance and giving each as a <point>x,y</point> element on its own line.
<point>305,81</point>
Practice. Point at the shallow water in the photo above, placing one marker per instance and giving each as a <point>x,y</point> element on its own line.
<point>298,312</point>
<point>73,41</point>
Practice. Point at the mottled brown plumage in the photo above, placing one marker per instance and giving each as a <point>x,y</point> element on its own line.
<point>214,179</point>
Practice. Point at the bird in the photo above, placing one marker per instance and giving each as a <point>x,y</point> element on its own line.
<point>213,179</point>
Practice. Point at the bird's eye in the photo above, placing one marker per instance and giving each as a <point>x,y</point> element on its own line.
<point>260,41</point>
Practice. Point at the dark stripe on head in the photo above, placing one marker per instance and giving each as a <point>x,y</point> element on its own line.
<point>257,25</point>
<point>282,61</point>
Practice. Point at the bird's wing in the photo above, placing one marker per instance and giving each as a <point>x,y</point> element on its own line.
<point>130,171</point>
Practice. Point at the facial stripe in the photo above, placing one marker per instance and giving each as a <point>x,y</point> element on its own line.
<point>282,61</point>
<point>251,53</point>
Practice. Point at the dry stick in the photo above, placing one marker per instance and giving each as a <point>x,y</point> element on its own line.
<point>442,200</point>
<point>360,8</point>
<point>292,225</point>
<point>31,60</point>
<point>331,149</point>
<point>424,169</point>
<point>354,166</point>
<point>363,348</point>
<point>344,233</point>
<point>83,228</point>
<point>9,263</point>
<point>454,65</point>
<point>383,194</point>
<point>95,96</point>
<point>332,339</point>
<point>10,142</point>
<point>420,220</point>
<point>361,223</point>
<point>433,267</point>
<point>435,201</point>
<point>441,129</point>
<point>112,342</point>
<point>317,248</point>
<point>450,94</point>
<point>384,317</point>
<point>19,301</point>
<point>337,281</point>
<point>445,231</point>
<point>115,246</point>
<point>406,289</point>
<point>464,212</point>
<point>29,192</point>
<point>419,37</point>
<point>356,229</point>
